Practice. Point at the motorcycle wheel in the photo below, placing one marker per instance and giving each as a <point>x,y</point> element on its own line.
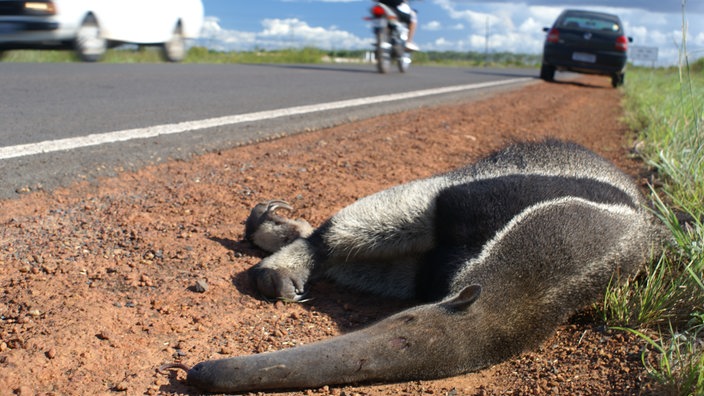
<point>403,59</point>
<point>403,63</point>
<point>383,60</point>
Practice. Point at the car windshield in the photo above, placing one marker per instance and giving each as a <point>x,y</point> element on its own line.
<point>589,22</point>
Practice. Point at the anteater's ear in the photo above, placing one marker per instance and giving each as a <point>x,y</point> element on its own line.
<point>463,299</point>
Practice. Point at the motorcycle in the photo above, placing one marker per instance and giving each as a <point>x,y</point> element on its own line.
<point>391,35</point>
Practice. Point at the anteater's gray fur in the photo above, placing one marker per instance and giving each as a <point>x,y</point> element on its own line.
<point>503,251</point>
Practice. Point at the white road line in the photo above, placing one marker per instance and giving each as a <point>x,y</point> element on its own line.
<point>49,146</point>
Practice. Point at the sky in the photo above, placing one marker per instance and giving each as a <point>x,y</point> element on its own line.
<point>445,25</point>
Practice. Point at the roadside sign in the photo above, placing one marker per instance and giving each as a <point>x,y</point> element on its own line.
<point>640,53</point>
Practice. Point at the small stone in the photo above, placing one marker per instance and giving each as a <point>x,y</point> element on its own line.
<point>201,286</point>
<point>121,387</point>
<point>145,280</point>
<point>49,268</point>
<point>226,350</point>
<point>51,353</point>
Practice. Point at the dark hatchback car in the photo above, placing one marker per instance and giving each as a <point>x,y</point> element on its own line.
<point>586,42</point>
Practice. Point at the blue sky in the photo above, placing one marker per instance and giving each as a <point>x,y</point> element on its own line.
<point>460,25</point>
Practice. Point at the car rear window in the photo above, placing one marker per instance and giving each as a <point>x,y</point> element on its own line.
<point>589,22</point>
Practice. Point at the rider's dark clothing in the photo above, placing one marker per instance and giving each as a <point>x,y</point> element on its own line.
<point>402,16</point>
<point>391,3</point>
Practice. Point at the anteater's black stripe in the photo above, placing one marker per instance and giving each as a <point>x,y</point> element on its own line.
<point>470,214</point>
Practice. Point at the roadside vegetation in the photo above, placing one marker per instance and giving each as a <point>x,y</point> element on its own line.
<point>135,54</point>
<point>308,55</point>
<point>665,306</point>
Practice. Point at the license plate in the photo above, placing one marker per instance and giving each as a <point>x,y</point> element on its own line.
<point>7,28</point>
<point>583,57</point>
<point>379,22</point>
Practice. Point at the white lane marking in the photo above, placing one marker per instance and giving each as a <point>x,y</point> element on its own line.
<point>49,146</point>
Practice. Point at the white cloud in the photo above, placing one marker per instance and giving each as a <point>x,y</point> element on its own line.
<point>297,33</point>
<point>432,26</point>
<point>214,36</point>
<point>463,25</point>
<point>474,18</point>
<point>441,42</point>
<point>517,25</point>
<point>698,39</point>
<point>280,33</point>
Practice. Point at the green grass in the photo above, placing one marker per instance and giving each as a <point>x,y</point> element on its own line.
<point>665,306</point>
<point>197,54</point>
<point>134,54</point>
<point>39,56</point>
<point>299,56</point>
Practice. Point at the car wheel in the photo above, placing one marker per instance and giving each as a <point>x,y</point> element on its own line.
<point>618,79</point>
<point>174,50</point>
<point>547,72</point>
<point>90,45</point>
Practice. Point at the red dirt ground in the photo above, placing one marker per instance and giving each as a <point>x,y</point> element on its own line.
<point>98,279</point>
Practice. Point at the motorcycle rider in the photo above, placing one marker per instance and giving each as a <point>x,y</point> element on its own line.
<point>406,15</point>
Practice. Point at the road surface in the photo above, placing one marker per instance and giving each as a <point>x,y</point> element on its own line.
<point>68,122</point>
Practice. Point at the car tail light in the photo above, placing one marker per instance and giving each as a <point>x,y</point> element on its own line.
<point>622,43</point>
<point>378,11</point>
<point>40,8</point>
<point>553,36</point>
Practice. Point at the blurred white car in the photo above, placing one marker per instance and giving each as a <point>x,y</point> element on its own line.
<point>91,26</point>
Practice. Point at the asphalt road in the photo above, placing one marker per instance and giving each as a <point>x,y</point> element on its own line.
<point>65,122</point>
